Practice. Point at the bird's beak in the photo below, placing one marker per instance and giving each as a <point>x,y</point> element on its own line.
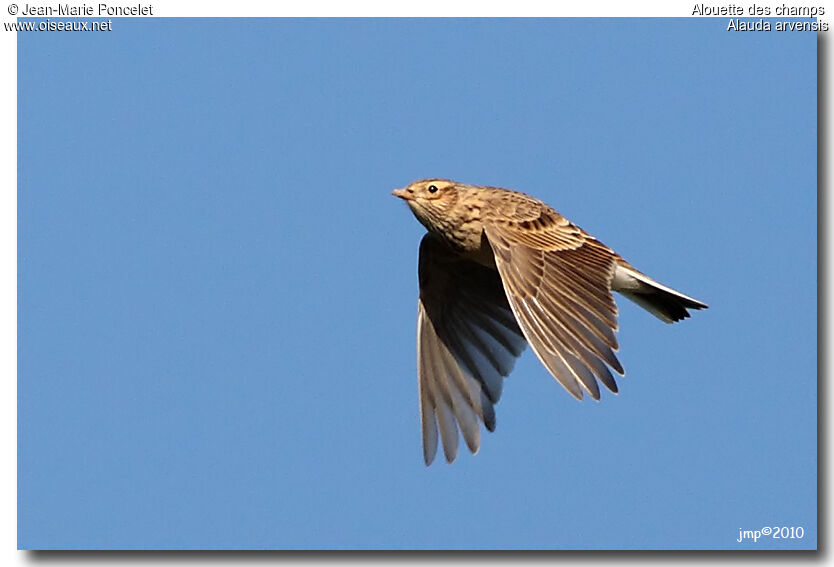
<point>402,194</point>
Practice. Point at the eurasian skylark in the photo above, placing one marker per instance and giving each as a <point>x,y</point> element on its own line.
<point>499,269</point>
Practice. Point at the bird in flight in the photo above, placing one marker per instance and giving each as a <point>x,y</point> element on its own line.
<point>499,269</point>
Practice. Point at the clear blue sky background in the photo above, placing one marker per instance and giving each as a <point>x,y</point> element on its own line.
<point>217,292</point>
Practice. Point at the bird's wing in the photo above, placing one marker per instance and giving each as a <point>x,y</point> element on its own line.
<point>467,342</point>
<point>558,280</point>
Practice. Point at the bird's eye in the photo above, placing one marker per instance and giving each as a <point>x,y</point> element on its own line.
<point>432,188</point>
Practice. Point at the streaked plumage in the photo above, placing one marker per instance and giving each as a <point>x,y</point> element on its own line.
<point>499,269</point>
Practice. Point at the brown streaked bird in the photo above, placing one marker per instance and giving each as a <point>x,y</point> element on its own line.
<point>499,269</point>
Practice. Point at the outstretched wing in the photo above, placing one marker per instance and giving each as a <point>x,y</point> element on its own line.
<point>558,280</point>
<point>467,342</point>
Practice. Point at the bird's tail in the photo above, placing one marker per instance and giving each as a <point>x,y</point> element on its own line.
<point>663,302</point>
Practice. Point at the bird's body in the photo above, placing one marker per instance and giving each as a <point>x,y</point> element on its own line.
<point>499,269</point>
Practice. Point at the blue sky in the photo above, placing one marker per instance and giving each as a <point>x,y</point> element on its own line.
<point>217,293</point>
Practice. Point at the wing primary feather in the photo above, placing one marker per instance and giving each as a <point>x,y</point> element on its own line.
<point>549,358</point>
<point>586,378</point>
<point>592,303</point>
<point>488,412</point>
<point>428,419</point>
<point>464,357</point>
<point>442,401</point>
<point>492,371</point>
<point>574,354</point>
<point>566,335</point>
<point>575,334</point>
<point>592,320</point>
<point>512,339</point>
<point>445,417</point>
<point>465,408</point>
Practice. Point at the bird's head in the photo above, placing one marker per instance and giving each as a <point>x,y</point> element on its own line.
<point>431,201</point>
